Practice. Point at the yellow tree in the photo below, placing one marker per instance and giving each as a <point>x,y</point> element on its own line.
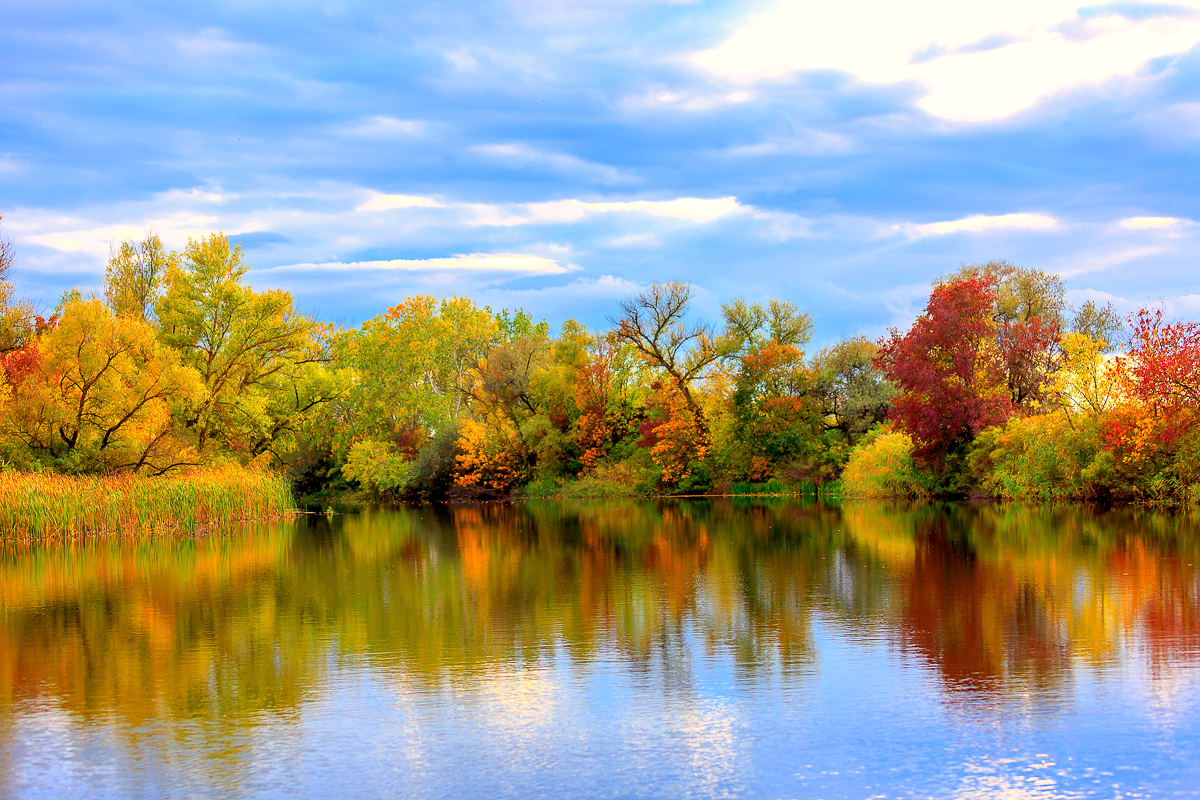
<point>134,277</point>
<point>97,392</point>
<point>1087,382</point>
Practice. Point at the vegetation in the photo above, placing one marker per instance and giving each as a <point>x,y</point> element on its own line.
<point>997,388</point>
<point>34,506</point>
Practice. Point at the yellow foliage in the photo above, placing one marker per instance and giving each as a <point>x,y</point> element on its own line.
<point>1087,382</point>
<point>882,466</point>
<point>101,387</point>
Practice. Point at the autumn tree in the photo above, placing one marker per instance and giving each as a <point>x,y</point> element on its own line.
<point>257,356</point>
<point>656,324</point>
<point>135,275</point>
<point>1098,323</point>
<point>749,327</point>
<point>1028,309</point>
<point>1163,362</point>
<point>1086,383</point>
<point>853,393</point>
<point>98,392</point>
<point>17,321</point>
<point>950,378</point>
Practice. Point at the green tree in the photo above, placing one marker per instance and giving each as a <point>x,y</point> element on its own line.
<point>853,393</point>
<point>256,355</point>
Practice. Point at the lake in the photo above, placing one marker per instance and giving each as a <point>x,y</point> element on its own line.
<point>708,648</point>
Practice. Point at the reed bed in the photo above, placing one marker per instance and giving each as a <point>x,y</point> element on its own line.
<point>49,506</point>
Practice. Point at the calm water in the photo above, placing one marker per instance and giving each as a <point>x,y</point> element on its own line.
<point>707,649</point>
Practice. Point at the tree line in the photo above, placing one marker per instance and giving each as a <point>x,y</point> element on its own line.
<point>997,387</point>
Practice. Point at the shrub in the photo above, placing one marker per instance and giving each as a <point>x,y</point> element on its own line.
<point>881,465</point>
<point>432,471</point>
<point>377,467</point>
<point>1042,458</point>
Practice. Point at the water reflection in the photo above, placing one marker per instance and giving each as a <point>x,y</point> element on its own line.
<point>188,648</point>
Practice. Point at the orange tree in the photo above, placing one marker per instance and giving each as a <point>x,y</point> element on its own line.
<point>776,416</point>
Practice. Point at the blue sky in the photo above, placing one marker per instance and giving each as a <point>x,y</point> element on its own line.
<point>560,155</point>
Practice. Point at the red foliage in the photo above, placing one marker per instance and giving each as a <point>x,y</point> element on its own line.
<point>950,373</point>
<point>1164,361</point>
<point>1027,351</point>
<point>647,430</point>
<point>20,364</point>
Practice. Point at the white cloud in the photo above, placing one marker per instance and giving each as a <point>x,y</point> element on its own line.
<point>634,240</point>
<point>83,236</point>
<point>605,287</point>
<point>1101,260</point>
<point>522,155</point>
<point>696,210</point>
<point>376,201</point>
<point>806,142</point>
<point>783,226</point>
<point>379,127</point>
<point>980,223</point>
<point>1154,223</point>
<point>686,101</point>
<point>474,262</point>
<point>976,61</point>
<point>691,209</point>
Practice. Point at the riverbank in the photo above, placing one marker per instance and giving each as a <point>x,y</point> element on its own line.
<point>34,506</point>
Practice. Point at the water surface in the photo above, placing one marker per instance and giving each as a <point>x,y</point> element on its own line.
<point>692,649</point>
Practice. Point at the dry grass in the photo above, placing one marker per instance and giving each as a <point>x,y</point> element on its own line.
<point>36,506</point>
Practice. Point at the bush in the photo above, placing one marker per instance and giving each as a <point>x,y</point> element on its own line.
<point>432,471</point>
<point>881,465</point>
<point>377,467</point>
<point>612,479</point>
<point>1045,457</point>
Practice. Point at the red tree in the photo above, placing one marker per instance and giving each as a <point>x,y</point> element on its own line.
<point>949,368</point>
<point>1164,361</point>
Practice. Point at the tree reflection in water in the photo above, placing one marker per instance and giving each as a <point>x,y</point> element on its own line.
<point>1001,601</point>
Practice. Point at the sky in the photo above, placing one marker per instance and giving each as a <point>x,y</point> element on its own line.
<point>561,155</point>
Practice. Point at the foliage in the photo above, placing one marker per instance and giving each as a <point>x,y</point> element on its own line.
<point>98,392</point>
<point>1163,365</point>
<point>1086,383</point>
<point>256,355</point>
<point>853,393</point>
<point>1027,309</point>
<point>882,465</point>
<point>486,458</point>
<point>135,276</point>
<point>377,467</point>
<point>17,320</point>
<point>676,438</point>
<point>950,378</point>
<point>1099,323</point>
<point>655,324</point>
<point>187,364</point>
<point>1044,457</point>
<point>432,471</point>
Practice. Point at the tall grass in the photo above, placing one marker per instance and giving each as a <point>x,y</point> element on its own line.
<point>36,506</point>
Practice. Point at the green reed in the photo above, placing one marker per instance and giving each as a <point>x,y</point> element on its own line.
<point>44,506</point>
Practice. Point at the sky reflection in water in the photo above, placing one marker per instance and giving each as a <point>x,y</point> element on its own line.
<point>612,650</point>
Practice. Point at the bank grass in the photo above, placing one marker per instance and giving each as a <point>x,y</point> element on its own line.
<point>37,506</point>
